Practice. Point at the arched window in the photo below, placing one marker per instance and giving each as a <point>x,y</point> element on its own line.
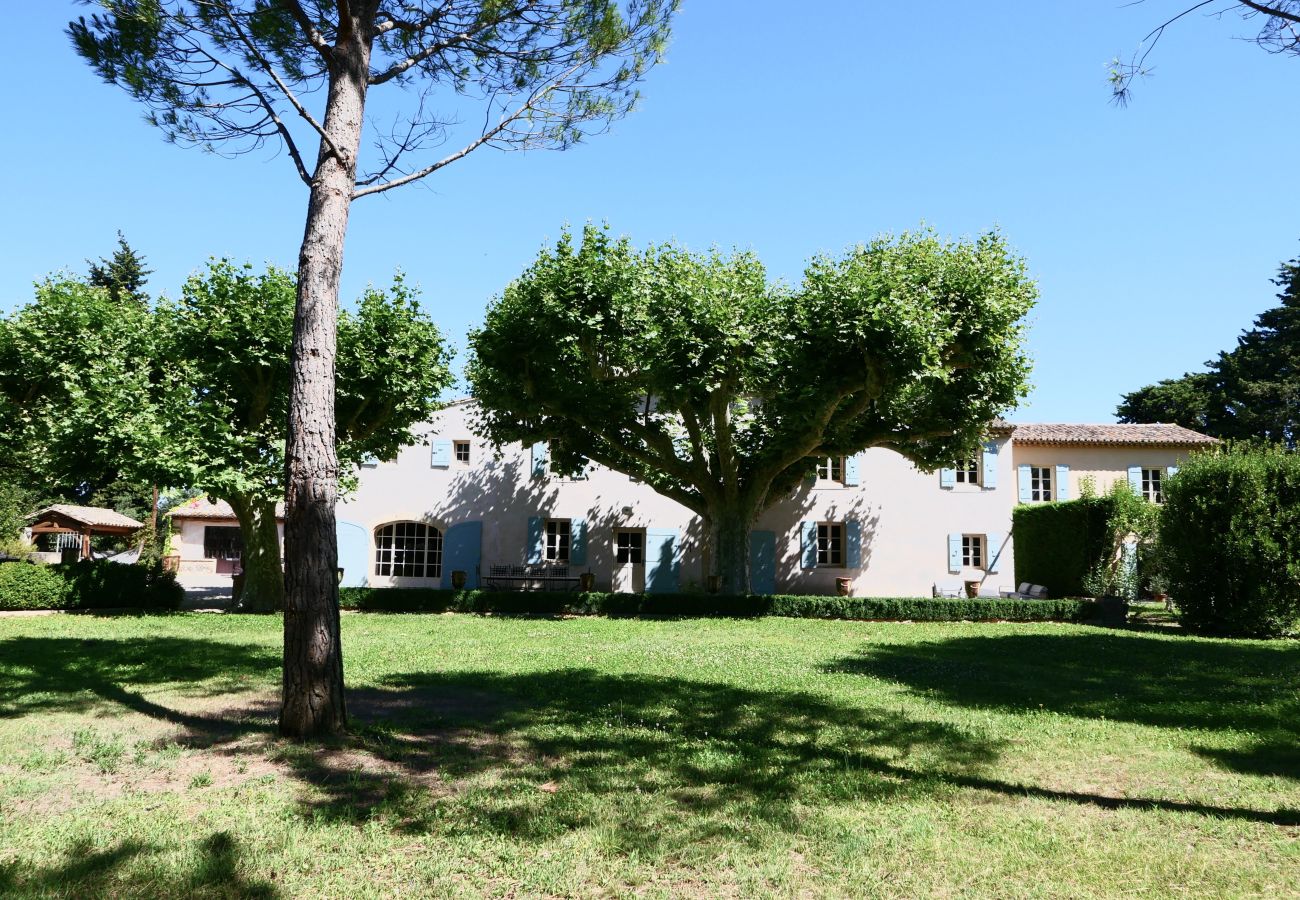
<point>408,550</point>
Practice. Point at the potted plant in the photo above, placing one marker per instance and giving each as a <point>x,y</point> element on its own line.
<point>843,585</point>
<point>588,581</point>
<point>458,578</point>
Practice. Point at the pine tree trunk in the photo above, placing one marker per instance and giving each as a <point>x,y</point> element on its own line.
<point>313,652</point>
<point>731,529</point>
<point>263,589</point>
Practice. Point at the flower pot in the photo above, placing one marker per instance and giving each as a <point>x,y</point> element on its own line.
<point>458,577</point>
<point>843,586</point>
<point>588,581</point>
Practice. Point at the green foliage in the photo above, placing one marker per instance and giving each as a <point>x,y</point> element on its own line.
<point>712,605</point>
<point>123,276</point>
<point>102,584</point>
<point>1251,392</point>
<point>1230,539</point>
<point>30,586</point>
<point>1076,547</point>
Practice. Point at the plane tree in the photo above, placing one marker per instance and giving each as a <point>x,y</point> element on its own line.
<point>454,76</point>
<point>719,388</point>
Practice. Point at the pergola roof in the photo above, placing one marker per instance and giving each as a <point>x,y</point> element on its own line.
<point>66,517</point>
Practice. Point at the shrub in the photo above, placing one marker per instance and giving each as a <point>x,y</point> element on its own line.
<point>102,584</point>
<point>28,586</point>
<point>711,605</point>
<point>1230,541</point>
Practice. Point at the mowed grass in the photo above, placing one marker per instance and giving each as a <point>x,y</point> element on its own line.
<point>604,758</point>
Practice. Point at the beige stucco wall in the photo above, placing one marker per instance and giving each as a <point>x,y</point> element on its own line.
<point>187,540</point>
<point>1105,465</point>
<point>905,515</point>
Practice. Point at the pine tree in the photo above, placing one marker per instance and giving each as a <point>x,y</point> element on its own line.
<point>124,275</point>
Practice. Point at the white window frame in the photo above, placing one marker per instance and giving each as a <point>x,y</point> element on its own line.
<point>408,550</point>
<point>973,551</point>
<point>456,447</point>
<point>830,469</point>
<point>1041,484</point>
<point>1153,484</point>
<point>967,471</point>
<point>633,546</point>
<point>557,541</point>
<point>831,545</point>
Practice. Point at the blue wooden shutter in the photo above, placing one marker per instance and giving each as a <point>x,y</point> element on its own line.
<point>460,550</point>
<point>534,539</point>
<point>1023,482</point>
<point>541,455</point>
<point>947,478</point>
<point>954,553</point>
<point>990,466</point>
<point>1135,479</point>
<point>369,461</point>
<point>1062,482</point>
<point>808,544</point>
<point>851,476</point>
<point>1171,471</point>
<point>993,548</point>
<point>662,566</point>
<point>853,544</point>
<point>762,562</point>
<point>440,457</point>
<point>577,542</point>
<point>355,554</point>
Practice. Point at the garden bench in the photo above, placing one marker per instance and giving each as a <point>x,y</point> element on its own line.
<point>1026,591</point>
<point>531,577</point>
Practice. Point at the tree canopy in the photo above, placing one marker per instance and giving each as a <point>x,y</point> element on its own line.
<point>1251,392</point>
<point>123,274</point>
<point>718,388</point>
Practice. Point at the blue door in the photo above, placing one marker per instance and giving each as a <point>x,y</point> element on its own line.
<point>460,550</point>
<point>662,565</point>
<point>762,562</point>
<point>354,553</point>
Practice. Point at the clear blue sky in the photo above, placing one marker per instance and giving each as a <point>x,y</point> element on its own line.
<point>790,130</point>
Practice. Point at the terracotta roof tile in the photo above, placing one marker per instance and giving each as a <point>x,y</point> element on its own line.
<point>202,508</point>
<point>90,515</point>
<point>1157,434</point>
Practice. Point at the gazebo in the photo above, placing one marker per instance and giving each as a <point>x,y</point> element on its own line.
<point>86,521</point>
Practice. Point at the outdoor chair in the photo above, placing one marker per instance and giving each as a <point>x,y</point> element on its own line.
<point>949,587</point>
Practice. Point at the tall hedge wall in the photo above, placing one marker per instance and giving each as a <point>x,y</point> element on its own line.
<point>1058,543</point>
<point>1230,536</point>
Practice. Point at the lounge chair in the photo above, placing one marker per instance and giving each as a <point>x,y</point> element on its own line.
<point>1026,591</point>
<point>949,587</point>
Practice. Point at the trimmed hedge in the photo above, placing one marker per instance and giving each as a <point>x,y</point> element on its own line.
<point>27,586</point>
<point>89,584</point>
<point>1230,539</point>
<point>711,605</point>
<point>1057,544</point>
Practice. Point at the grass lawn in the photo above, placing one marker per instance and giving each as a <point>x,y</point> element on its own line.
<point>593,758</point>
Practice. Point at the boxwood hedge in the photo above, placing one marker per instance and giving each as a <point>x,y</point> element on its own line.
<point>89,584</point>
<point>710,605</point>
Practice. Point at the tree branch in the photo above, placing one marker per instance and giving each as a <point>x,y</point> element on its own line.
<point>1269,10</point>
<point>314,37</point>
<point>424,53</point>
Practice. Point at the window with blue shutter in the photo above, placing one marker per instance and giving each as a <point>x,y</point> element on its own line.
<point>541,456</point>
<point>440,455</point>
<point>947,478</point>
<point>369,461</point>
<point>1024,485</point>
<point>954,553</point>
<point>990,463</point>
<point>853,544</point>
<point>808,545</point>
<point>1135,479</point>
<point>534,548</point>
<point>995,543</point>
<point>662,564</point>
<point>1062,482</point>
<point>577,542</point>
<point>852,476</point>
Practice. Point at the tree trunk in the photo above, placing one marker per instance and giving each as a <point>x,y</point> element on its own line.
<point>730,528</point>
<point>263,589</point>
<point>313,652</point>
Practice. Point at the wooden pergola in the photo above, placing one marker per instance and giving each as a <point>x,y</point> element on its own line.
<point>87,521</point>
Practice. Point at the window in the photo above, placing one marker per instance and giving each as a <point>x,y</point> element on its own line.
<point>968,471</point>
<point>408,550</point>
<point>629,547</point>
<point>557,540</point>
<point>222,542</point>
<point>1040,483</point>
<point>1151,485</point>
<point>830,468</point>
<point>830,544</point>
<point>972,551</point>
<point>461,451</point>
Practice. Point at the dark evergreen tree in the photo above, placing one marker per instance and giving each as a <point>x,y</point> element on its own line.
<point>124,274</point>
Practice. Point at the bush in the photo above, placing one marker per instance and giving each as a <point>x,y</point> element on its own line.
<point>1230,541</point>
<point>710,605</point>
<point>102,584</point>
<point>28,586</point>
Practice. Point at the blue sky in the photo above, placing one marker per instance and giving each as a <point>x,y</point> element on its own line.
<point>1151,230</point>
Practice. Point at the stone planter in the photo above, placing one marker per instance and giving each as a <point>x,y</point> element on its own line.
<point>458,578</point>
<point>587,581</point>
<point>843,586</point>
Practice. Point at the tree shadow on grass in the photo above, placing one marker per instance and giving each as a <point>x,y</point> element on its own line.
<point>1173,683</point>
<point>123,868</point>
